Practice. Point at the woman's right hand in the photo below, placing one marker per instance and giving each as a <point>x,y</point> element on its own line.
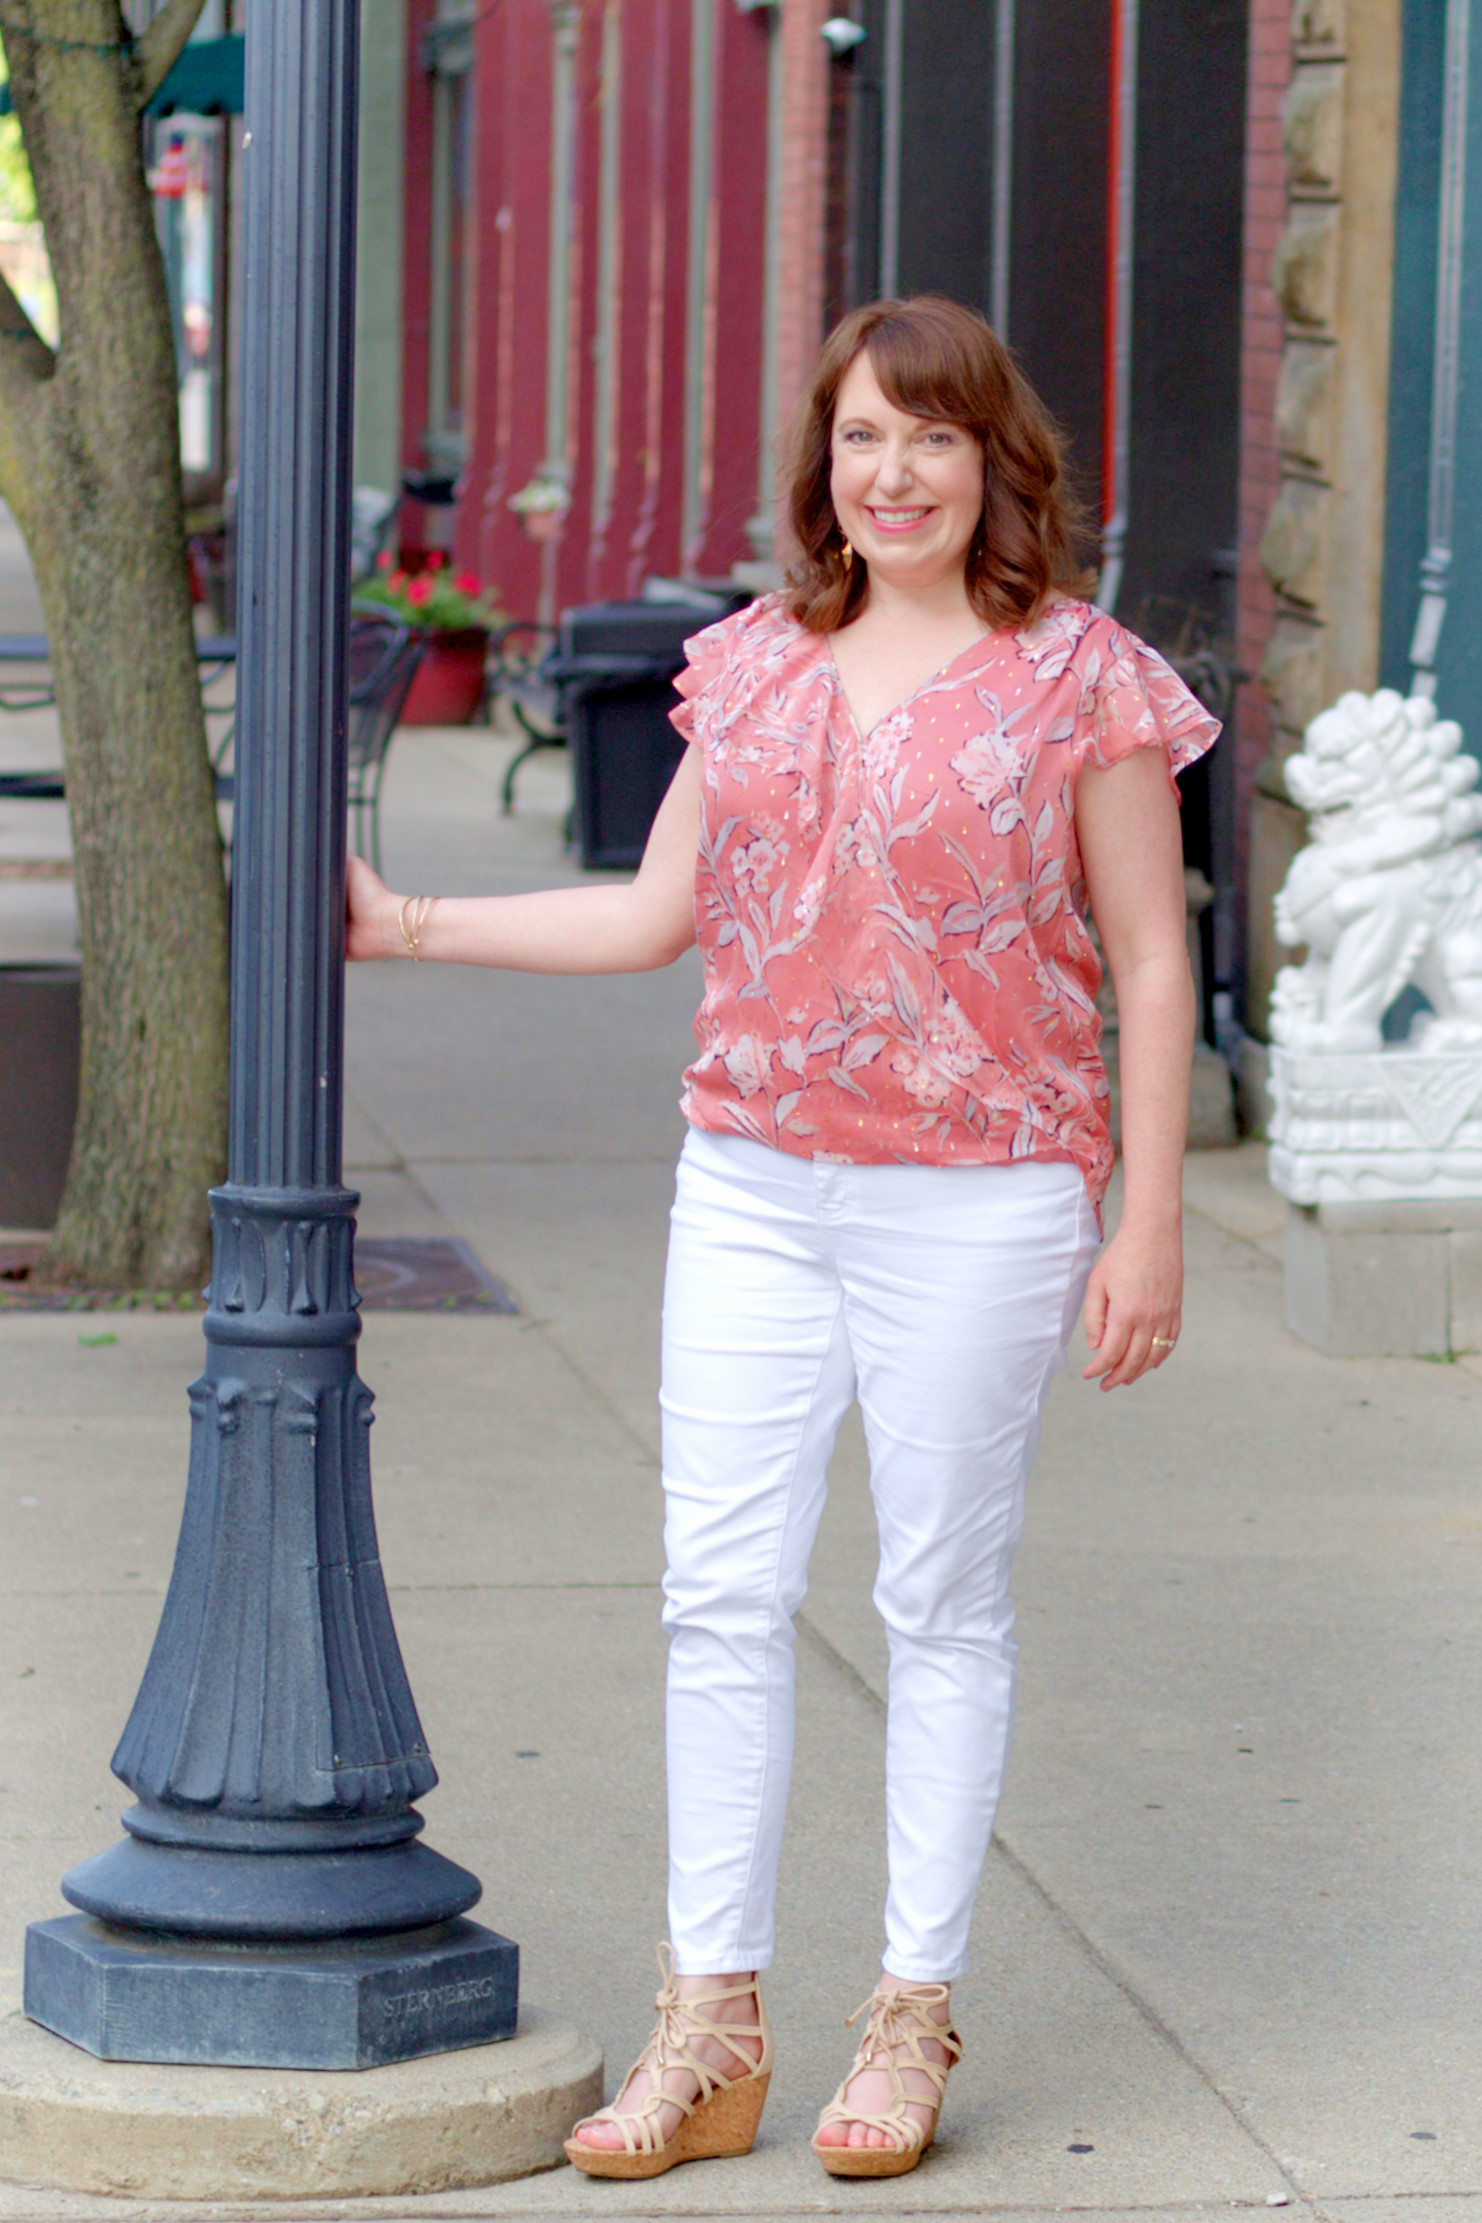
<point>631,927</point>
<point>371,912</point>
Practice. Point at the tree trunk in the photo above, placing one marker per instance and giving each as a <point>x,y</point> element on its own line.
<point>89,462</point>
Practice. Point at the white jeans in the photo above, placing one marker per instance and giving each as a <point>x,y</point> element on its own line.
<point>943,1297</point>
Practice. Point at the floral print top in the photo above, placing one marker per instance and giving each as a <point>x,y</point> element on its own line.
<point>896,961</point>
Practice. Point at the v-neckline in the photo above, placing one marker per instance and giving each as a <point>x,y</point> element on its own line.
<point>906,700</point>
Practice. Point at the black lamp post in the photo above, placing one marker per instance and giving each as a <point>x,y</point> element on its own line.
<point>271,1903</point>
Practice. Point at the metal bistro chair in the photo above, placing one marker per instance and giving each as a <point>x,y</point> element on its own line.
<point>517,673</point>
<point>384,655</point>
<point>215,655</point>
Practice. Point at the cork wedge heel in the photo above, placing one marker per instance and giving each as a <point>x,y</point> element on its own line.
<point>898,2023</point>
<point>720,2123</point>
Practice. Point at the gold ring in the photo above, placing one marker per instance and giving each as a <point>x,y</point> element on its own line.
<point>1164,1342</point>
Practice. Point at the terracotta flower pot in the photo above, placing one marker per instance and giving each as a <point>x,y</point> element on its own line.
<point>543,524</point>
<point>449,682</point>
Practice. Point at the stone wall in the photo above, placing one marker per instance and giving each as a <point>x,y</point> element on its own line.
<point>1322,545</point>
<point>1269,72</point>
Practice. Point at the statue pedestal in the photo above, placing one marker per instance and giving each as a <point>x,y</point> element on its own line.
<point>1385,1280</point>
<point>1379,1155</point>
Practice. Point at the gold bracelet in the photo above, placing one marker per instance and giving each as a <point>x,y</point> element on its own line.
<point>420,907</point>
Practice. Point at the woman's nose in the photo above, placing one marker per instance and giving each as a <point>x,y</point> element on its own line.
<point>894,473</point>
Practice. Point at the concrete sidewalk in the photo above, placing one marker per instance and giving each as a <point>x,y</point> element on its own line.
<point>1230,1941</point>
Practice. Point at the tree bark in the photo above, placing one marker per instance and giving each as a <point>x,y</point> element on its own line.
<point>90,464</point>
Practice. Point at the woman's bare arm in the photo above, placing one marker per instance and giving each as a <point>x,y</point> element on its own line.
<point>1128,830</point>
<point>632,928</point>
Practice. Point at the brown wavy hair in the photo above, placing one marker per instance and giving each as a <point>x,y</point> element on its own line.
<point>936,359</point>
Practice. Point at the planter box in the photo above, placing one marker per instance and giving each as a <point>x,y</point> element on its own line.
<point>40,1040</point>
<point>448,684</point>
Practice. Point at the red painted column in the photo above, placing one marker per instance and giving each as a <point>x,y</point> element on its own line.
<point>601,575</point>
<point>581,368</point>
<point>738,267</point>
<point>506,408</point>
<point>652,540</point>
<point>642,244</point>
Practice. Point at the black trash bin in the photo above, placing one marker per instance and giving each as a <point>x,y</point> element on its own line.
<point>615,667</point>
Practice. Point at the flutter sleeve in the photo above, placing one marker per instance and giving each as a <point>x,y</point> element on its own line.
<point>708,657</point>
<point>1132,698</point>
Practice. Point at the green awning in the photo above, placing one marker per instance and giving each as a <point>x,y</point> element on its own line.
<point>206,81</point>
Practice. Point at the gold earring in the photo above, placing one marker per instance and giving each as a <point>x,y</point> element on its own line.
<point>848,555</point>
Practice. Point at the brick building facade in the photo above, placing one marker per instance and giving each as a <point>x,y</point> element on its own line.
<point>626,223</point>
<point>613,283</point>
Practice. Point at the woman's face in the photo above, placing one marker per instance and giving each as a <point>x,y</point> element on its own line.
<point>907,491</point>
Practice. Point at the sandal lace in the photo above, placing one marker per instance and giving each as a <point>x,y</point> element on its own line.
<point>898,2022</point>
<point>669,2048</point>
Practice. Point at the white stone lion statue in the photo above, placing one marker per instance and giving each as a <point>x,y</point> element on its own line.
<point>1389,890</point>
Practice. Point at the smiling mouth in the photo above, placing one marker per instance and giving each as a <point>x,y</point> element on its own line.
<point>897,520</point>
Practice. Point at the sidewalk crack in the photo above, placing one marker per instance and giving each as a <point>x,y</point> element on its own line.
<point>1099,1959</point>
<point>1253,1243</point>
<point>595,1390</point>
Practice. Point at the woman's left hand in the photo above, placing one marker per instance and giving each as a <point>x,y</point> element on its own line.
<point>1134,1303</point>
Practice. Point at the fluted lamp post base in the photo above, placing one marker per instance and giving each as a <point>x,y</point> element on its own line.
<point>250,1894</point>
<point>297,1921</point>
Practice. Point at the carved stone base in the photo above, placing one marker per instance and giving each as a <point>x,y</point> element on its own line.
<point>1388,1126</point>
<point>127,1995</point>
<point>1253,1088</point>
<point>1379,1153</point>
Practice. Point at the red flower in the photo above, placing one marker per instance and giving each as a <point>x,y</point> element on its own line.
<point>419,591</point>
<point>467,583</point>
<point>397,580</point>
<point>435,559</point>
<point>384,560</point>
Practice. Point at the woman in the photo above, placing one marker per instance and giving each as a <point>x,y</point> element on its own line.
<point>906,774</point>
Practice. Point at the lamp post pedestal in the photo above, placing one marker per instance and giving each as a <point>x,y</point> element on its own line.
<point>128,1995</point>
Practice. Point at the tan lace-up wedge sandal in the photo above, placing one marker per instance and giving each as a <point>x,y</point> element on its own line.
<point>720,2122</point>
<point>898,2023</point>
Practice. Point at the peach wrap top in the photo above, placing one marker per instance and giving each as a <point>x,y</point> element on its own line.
<point>892,924</point>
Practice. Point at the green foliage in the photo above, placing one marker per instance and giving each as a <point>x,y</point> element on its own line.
<point>443,601</point>
<point>17,194</point>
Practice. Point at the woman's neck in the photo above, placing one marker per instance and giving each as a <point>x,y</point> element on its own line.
<point>937,606</point>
